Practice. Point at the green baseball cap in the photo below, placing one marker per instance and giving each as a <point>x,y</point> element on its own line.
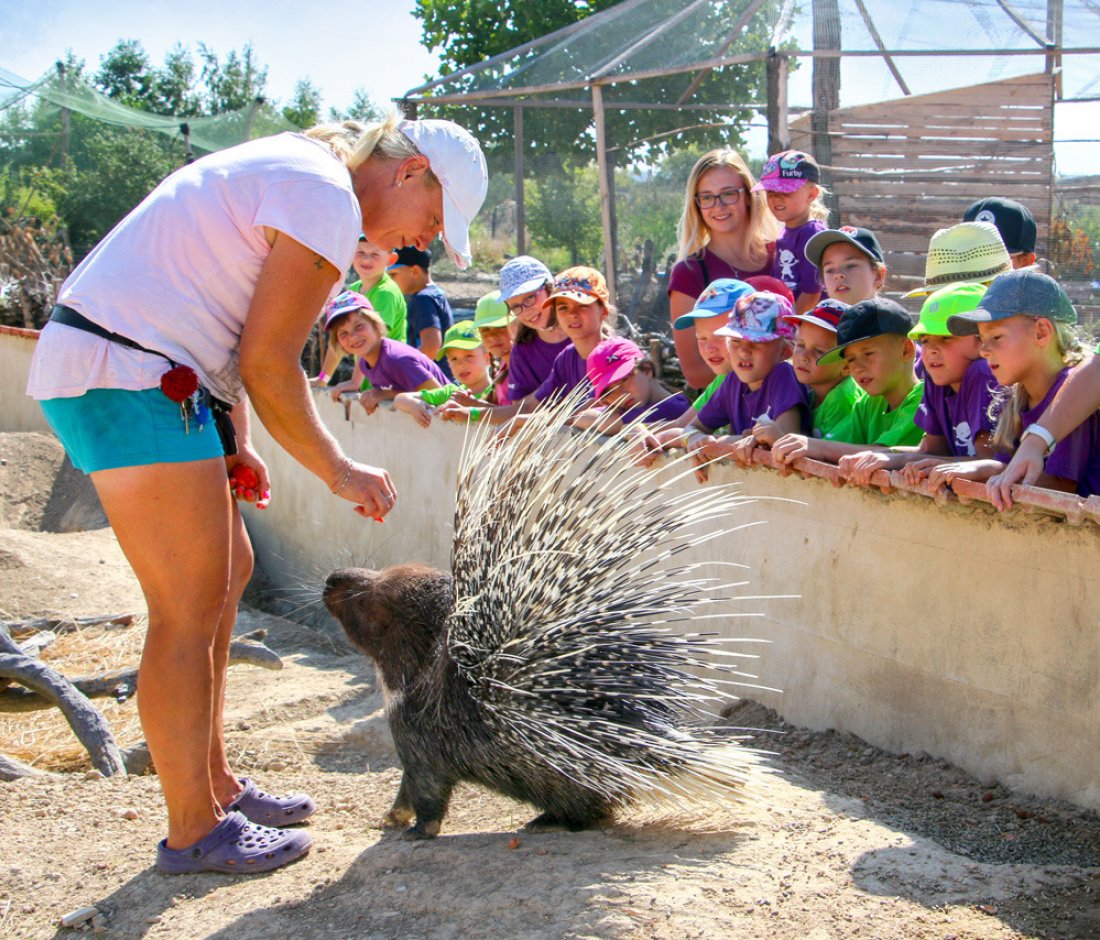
<point>943,303</point>
<point>492,312</point>
<point>463,335</point>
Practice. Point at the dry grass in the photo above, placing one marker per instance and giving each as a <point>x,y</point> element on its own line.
<point>43,739</point>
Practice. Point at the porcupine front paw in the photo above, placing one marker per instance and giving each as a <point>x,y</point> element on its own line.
<point>396,818</point>
<point>421,830</point>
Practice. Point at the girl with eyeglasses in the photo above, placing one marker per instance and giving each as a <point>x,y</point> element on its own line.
<point>525,284</point>
<point>725,231</point>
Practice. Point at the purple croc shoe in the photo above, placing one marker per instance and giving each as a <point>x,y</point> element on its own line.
<point>268,810</point>
<point>235,845</point>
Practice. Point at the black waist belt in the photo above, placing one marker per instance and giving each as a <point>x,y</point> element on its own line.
<point>69,317</point>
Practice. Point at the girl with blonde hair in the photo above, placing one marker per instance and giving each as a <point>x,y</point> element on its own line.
<point>725,231</point>
<point>1025,323</point>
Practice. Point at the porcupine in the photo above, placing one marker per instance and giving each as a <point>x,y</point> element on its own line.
<point>547,668</point>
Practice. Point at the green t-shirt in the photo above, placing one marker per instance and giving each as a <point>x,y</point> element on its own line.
<point>832,418</point>
<point>706,393</point>
<point>873,423</point>
<point>387,299</point>
<point>437,396</point>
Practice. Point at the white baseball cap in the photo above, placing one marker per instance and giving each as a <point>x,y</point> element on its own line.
<point>459,165</point>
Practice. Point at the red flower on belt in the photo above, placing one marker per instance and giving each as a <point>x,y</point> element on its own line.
<point>179,383</point>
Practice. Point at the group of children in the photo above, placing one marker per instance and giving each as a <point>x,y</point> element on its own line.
<point>808,360</point>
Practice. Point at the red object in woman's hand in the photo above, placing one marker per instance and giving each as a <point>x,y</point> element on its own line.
<point>244,475</point>
<point>179,383</point>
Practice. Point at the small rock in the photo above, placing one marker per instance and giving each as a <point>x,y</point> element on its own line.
<point>987,797</point>
<point>128,813</point>
<point>93,775</point>
<point>937,794</point>
<point>155,919</point>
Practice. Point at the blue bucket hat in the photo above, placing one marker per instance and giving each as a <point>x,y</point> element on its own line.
<point>719,298</point>
<point>523,275</point>
<point>1022,293</point>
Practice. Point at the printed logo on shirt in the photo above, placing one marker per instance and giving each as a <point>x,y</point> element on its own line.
<point>964,438</point>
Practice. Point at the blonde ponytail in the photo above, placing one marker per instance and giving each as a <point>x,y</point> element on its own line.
<point>355,143</point>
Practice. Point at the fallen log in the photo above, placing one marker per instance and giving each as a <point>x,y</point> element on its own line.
<point>122,683</point>
<point>21,628</point>
<point>89,726</point>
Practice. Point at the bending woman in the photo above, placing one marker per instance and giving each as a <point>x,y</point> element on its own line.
<point>216,279</point>
<point>725,230</point>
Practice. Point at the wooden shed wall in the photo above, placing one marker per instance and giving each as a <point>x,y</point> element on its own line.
<point>907,167</point>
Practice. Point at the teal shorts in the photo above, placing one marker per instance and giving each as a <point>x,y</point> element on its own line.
<point>107,428</point>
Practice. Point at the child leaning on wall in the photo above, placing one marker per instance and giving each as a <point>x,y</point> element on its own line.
<point>958,392</point>
<point>851,262</point>
<point>626,389</point>
<point>1025,323</point>
<point>711,313</point>
<point>761,383</point>
<point>469,362</point>
<point>497,328</point>
<point>873,339</point>
<point>832,393</point>
<point>390,366</point>
<point>384,295</point>
<point>791,181</point>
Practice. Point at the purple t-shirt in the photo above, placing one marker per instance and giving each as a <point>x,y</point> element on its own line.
<point>530,364</point>
<point>693,274</point>
<point>734,404</point>
<point>567,372</point>
<point>959,416</point>
<point>1076,457</point>
<point>790,264</point>
<point>401,368</point>
<point>667,410</point>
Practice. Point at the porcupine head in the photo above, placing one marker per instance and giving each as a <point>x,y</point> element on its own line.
<point>397,617</point>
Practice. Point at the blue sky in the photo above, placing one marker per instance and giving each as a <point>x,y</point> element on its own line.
<point>373,44</point>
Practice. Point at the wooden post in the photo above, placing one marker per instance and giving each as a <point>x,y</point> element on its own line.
<point>517,142</point>
<point>250,120</point>
<point>605,190</point>
<point>188,153</point>
<point>826,91</point>
<point>779,136</point>
<point>66,118</point>
<point>1054,34</point>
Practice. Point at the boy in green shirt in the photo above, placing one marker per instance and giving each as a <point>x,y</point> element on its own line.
<point>873,341</point>
<point>469,362</point>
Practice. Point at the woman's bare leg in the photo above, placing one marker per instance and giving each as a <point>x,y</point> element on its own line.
<point>174,522</point>
<point>226,786</point>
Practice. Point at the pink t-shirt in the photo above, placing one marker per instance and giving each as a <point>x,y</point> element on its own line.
<point>178,273</point>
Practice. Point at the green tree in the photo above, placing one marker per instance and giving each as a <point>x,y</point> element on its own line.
<point>304,109</point>
<point>233,84</point>
<point>126,73</point>
<point>467,33</point>
<point>564,212</point>
<point>362,108</point>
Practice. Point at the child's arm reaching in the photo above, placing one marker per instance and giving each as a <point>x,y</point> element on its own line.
<point>412,404</point>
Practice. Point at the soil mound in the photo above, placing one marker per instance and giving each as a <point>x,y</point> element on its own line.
<point>41,491</point>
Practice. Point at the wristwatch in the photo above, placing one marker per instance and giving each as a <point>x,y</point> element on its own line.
<point>1043,434</point>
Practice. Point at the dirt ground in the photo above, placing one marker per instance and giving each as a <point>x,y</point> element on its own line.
<point>846,841</point>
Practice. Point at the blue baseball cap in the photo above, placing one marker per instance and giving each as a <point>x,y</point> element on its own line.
<point>1022,293</point>
<point>719,299</point>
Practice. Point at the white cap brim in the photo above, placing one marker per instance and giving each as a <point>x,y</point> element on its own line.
<point>456,233</point>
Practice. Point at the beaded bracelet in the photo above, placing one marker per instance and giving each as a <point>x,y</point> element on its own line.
<point>337,490</point>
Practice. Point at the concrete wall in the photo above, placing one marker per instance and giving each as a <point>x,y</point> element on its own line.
<point>919,627</point>
<point>17,412</point>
